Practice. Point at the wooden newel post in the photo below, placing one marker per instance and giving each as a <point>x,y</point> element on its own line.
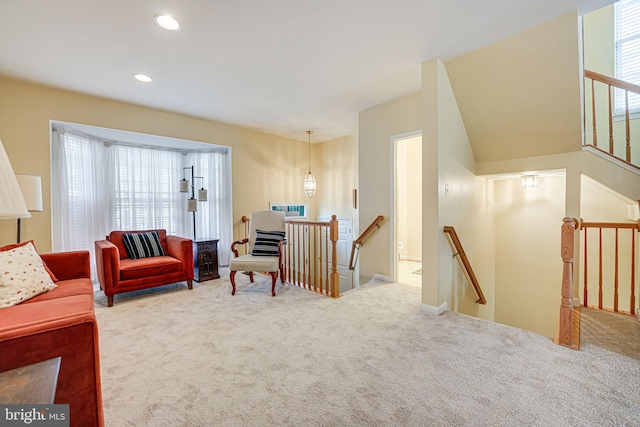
<point>333,236</point>
<point>565,337</point>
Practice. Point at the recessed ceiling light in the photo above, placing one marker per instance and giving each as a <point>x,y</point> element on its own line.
<point>167,22</point>
<point>142,78</point>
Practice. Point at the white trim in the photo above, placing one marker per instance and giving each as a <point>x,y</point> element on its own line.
<point>611,159</point>
<point>434,311</point>
<point>393,139</point>
<point>382,278</point>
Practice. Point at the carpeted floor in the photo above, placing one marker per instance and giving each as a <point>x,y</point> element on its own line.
<point>179,357</point>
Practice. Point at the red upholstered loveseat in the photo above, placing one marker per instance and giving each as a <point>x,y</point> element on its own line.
<point>117,273</point>
<point>60,323</point>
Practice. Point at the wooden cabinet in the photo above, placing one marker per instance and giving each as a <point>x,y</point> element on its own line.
<point>205,259</point>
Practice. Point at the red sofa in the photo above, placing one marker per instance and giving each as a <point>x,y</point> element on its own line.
<point>60,323</point>
<point>117,273</point>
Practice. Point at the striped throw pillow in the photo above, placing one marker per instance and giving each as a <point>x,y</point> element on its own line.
<point>267,243</point>
<point>143,245</point>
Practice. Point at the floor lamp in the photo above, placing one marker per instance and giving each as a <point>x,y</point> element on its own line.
<point>192,203</point>
<point>31,188</point>
<point>12,203</point>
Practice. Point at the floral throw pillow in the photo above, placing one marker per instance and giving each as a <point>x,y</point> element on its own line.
<point>22,275</point>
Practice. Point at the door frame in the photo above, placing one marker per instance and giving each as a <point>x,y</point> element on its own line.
<point>393,209</point>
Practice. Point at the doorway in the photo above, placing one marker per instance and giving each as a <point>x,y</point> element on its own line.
<point>408,209</point>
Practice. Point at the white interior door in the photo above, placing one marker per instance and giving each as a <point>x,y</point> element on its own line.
<point>343,246</point>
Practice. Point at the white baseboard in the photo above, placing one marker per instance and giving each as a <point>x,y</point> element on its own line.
<point>434,311</point>
<point>382,278</point>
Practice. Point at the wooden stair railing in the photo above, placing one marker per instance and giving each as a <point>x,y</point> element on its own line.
<point>311,256</point>
<point>614,288</point>
<point>626,87</point>
<point>567,335</point>
<point>465,263</point>
<point>359,241</point>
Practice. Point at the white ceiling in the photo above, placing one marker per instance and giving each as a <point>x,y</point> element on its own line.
<point>276,66</point>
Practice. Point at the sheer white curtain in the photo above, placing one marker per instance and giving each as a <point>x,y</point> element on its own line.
<point>101,186</point>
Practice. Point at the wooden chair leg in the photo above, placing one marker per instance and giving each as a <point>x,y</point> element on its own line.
<point>251,276</point>
<point>110,300</point>
<point>233,282</point>
<point>190,284</point>
<point>274,275</point>
<point>282,274</point>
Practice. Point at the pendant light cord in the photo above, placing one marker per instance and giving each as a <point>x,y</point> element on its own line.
<point>309,132</point>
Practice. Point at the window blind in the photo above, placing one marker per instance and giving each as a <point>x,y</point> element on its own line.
<point>627,51</point>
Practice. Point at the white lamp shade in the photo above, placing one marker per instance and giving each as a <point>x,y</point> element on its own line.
<point>12,203</point>
<point>184,186</point>
<point>31,188</point>
<point>192,205</point>
<point>310,185</point>
<point>202,195</point>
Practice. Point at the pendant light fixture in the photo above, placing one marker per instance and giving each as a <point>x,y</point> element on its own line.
<point>310,180</point>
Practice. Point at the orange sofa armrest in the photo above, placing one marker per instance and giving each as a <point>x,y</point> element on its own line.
<point>107,264</point>
<point>69,265</point>
<point>182,249</point>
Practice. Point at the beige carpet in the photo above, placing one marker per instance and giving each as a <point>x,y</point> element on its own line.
<point>178,357</point>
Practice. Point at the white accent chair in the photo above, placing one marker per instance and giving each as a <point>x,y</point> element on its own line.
<point>259,220</point>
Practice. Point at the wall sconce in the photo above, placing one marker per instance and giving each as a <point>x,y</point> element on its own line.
<point>529,181</point>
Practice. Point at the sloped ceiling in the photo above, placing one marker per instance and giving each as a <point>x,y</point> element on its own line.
<point>279,66</point>
<point>520,97</point>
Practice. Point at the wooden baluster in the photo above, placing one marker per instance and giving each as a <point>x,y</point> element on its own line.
<point>585,258</point>
<point>321,258</point>
<point>593,112</point>
<point>335,280</point>
<point>565,336</point>
<point>632,298</point>
<point>289,243</point>
<point>327,276</point>
<point>600,274</point>
<point>626,118</point>
<point>610,123</point>
<point>615,281</point>
<point>313,257</point>
<point>299,244</point>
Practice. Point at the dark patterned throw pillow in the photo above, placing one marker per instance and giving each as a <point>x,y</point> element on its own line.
<point>267,243</point>
<point>143,245</point>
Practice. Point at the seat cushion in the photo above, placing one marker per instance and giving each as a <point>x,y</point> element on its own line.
<point>66,288</point>
<point>147,267</point>
<point>254,263</point>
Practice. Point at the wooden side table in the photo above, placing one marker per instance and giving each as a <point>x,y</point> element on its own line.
<point>205,259</point>
<point>33,384</point>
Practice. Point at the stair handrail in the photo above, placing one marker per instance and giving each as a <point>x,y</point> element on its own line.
<point>620,84</point>
<point>359,241</point>
<point>612,81</point>
<point>465,263</point>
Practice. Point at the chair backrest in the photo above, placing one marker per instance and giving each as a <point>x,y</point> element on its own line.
<point>115,237</point>
<point>264,220</point>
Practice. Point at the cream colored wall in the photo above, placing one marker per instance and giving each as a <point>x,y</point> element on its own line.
<point>520,96</point>
<point>599,56</point>
<point>266,168</point>
<point>335,177</point>
<point>409,197</point>
<point>601,204</point>
<point>528,267</point>
<point>376,126</point>
<point>414,199</point>
<point>401,200</point>
<point>466,207</point>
